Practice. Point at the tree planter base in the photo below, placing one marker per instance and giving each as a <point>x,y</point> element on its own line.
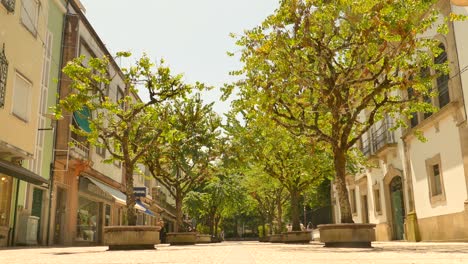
<point>347,235</point>
<point>276,238</point>
<point>183,238</point>
<point>264,239</point>
<point>299,237</point>
<point>131,237</point>
<point>459,2</point>
<point>203,239</point>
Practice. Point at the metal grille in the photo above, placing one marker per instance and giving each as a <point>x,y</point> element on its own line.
<point>9,5</point>
<point>3,76</point>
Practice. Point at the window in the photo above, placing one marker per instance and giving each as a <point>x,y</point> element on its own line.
<point>437,186</point>
<point>442,79</point>
<point>84,51</point>
<point>21,98</point>
<point>101,151</point>
<point>119,95</point>
<point>435,179</point>
<point>352,201</point>
<point>378,205</point>
<point>30,14</point>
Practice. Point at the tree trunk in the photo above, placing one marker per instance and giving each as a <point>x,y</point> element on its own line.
<point>342,191</point>
<point>217,219</point>
<point>131,215</point>
<point>279,207</point>
<point>296,225</point>
<point>179,223</point>
<point>211,224</point>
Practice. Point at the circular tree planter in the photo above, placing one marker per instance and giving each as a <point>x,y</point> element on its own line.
<point>131,237</point>
<point>459,2</point>
<point>299,237</point>
<point>182,238</point>
<point>347,235</point>
<point>203,239</point>
<point>276,238</point>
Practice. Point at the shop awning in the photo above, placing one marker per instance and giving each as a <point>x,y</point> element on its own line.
<point>147,211</point>
<point>119,196</point>
<point>82,118</point>
<point>21,173</point>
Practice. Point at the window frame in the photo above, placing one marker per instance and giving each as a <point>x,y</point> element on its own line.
<point>435,198</point>
<point>28,105</point>
<point>35,24</point>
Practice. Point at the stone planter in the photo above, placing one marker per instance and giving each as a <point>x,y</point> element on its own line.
<point>264,239</point>
<point>276,238</point>
<point>203,239</point>
<point>347,235</point>
<point>131,237</point>
<point>183,238</point>
<point>297,237</point>
<point>459,2</point>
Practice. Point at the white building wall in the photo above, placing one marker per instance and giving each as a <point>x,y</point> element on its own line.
<point>445,142</point>
<point>461,40</point>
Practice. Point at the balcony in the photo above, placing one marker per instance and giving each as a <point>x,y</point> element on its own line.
<point>78,149</point>
<point>381,140</point>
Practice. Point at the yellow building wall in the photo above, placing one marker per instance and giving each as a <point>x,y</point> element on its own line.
<point>24,53</point>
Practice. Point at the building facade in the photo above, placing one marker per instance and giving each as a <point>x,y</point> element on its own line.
<point>23,41</point>
<point>418,190</point>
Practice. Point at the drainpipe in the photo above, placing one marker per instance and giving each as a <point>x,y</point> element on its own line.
<point>54,142</point>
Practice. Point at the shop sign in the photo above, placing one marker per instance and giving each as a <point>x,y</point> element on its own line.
<point>140,191</point>
<point>89,187</point>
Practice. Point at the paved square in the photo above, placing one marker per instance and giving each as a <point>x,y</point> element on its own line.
<point>247,253</point>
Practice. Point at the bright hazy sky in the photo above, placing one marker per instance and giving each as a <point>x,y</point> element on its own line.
<point>191,35</point>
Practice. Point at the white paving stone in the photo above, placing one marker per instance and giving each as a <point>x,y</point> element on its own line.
<point>246,253</point>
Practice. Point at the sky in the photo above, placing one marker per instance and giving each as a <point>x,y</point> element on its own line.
<point>191,35</point>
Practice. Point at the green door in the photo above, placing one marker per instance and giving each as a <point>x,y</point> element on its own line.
<point>398,209</point>
<point>36,209</point>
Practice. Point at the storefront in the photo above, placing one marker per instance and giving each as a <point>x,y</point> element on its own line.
<point>93,212</point>
<point>6,183</point>
<point>11,175</point>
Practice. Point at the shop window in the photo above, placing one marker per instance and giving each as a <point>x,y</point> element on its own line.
<point>435,179</point>
<point>87,221</point>
<point>22,98</point>
<point>5,196</point>
<point>30,14</point>
<point>107,219</point>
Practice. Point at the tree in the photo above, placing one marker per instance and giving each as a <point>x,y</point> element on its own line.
<point>270,196</point>
<point>183,157</point>
<point>291,160</point>
<point>330,70</point>
<point>123,126</point>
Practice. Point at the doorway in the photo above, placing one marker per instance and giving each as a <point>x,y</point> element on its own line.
<point>398,209</point>
<point>60,209</point>
<point>36,210</point>
<point>365,209</point>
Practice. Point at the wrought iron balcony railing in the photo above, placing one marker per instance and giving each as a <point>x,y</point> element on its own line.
<point>379,139</point>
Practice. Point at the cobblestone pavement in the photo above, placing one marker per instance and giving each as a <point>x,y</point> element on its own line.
<point>247,253</point>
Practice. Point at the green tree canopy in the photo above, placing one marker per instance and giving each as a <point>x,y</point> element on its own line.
<point>330,70</point>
